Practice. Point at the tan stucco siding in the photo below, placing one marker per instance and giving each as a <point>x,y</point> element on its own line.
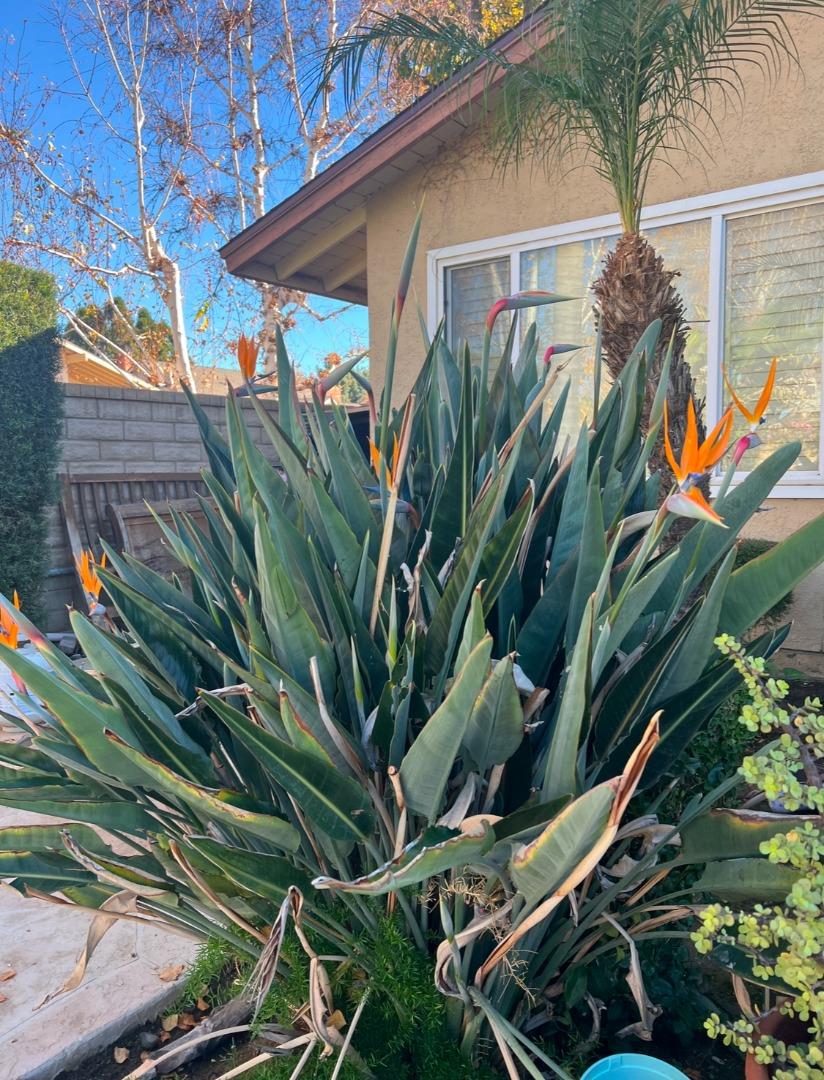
<point>779,133</point>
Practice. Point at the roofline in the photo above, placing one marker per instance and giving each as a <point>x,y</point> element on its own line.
<point>106,364</point>
<point>379,149</point>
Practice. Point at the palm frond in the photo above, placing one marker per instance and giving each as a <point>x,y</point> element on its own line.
<point>624,82</point>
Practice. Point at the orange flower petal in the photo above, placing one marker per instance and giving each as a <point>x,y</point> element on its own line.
<point>375,458</point>
<point>690,461</point>
<point>766,393</point>
<point>742,408</point>
<point>716,443</point>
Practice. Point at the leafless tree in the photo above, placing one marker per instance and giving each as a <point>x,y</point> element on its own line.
<point>182,122</point>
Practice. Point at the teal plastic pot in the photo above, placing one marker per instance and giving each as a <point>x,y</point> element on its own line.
<point>632,1067</point>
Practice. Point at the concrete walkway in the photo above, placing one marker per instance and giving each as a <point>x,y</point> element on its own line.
<point>122,988</point>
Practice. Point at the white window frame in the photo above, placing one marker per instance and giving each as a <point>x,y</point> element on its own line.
<point>718,207</point>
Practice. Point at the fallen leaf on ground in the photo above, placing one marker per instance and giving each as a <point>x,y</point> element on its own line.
<point>3,998</point>
<point>9,973</point>
<point>169,1023</point>
<point>203,1004</point>
<point>164,1036</point>
<point>186,1021</point>
<point>172,972</point>
<point>121,1053</point>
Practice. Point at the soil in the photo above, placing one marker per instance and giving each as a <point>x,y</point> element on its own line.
<point>102,1066</point>
<point>804,687</point>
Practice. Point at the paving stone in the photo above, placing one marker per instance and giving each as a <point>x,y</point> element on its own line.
<point>122,988</point>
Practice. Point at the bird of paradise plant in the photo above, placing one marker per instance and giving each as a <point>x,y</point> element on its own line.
<point>334,713</point>
<point>755,417</point>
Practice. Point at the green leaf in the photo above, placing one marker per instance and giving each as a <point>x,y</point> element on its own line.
<point>332,802</point>
<point>294,636</point>
<point>625,612</point>
<point>747,881</point>
<point>500,553</point>
<point>732,834</point>
<point>561,771</point>
<point>428,762</point>
<point>269,876</point>
<point>214,803</point>
<point>496,725</point>
<point>473,631</point>
<point>570,523</point>
<point>705,543</point>
<point>106,659</point>
<point>452,512</point>
<point>432,853</point>
<point>541,867</point>
<point>522,824</point>
<point>541,633</point>
<point>70,802</point>
<point>81,716</point>
<point>592,554</point>
<point>697,648</point>
<point>448,616</point>
<point>758,585</point>
<point>46,872</point>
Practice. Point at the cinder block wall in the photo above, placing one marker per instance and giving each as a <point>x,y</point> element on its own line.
<point>113,432</point>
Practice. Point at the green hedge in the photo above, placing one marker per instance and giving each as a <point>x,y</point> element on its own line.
<point>31,404</point>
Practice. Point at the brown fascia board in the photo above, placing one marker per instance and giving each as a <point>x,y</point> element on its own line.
<point>467,87</point>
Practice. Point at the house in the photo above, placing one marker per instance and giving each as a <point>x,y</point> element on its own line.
<point>78,365</point>
<point>742,219</point>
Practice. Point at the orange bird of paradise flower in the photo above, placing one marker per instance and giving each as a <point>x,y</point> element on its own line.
<point>696,460</point>
<point>376,458</point>
<point>755,417</point>
<point>87,570</point>
<point>9,630</point>
<point>247,355</point>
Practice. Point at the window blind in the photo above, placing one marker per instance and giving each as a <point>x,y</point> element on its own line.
<point>471,291</point>
<point>774,306</point>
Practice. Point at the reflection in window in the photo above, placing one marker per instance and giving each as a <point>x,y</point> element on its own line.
<point>470,292</point>
<point>774,306</point>
<point>572,268</point>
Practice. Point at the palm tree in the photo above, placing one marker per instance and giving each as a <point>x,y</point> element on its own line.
<point>626,83</point>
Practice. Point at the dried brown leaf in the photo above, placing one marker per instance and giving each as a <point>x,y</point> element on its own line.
<point>169,1023</point>
<point>121,1054</point>
<point>203,1004</point>
<point>171,973</point>
<point>9,973</point>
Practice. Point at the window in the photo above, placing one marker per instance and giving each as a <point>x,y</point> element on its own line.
<point>571,269</point>
<point>751,265</point>
<point>470,292</point>
<point>774,306</point>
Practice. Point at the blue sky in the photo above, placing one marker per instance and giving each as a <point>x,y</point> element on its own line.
<point>28,28</point>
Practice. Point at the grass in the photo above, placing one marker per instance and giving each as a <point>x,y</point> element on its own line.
<point>403,1032</point>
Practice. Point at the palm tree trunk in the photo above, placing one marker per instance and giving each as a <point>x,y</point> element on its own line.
<point>633,290</point>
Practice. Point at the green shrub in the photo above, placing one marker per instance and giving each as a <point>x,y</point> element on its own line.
<point>332,726</point>
<point>777,941</point>
<point>30,414</point>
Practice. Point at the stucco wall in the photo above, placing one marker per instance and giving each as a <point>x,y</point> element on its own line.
<point>778,134</point>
